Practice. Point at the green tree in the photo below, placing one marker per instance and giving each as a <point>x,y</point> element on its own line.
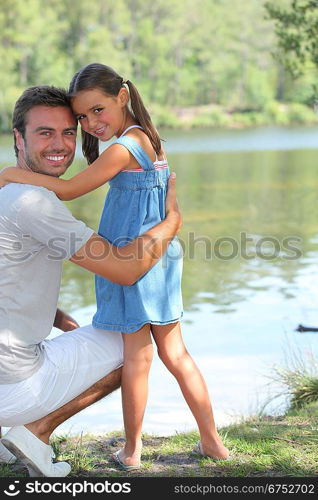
<point>179,53</point>
<point>296,27</point>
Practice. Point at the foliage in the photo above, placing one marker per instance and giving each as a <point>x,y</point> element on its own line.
<point>211,117</point>
<point>179,53</point>
<point>277,112</point>
<point>296,27</point>
<point>298,113</point>
<point>163,116</point>
<point>303,388</point>
<point>299,379</point>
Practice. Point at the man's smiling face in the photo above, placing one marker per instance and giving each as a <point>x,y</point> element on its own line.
<point>49,142</point>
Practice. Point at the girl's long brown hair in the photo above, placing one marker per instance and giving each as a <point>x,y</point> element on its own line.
<point>99,76</point>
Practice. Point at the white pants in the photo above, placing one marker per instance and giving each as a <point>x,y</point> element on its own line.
<point>73,362</point>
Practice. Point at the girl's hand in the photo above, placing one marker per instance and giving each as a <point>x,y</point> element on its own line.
<point>172,207</point>
<point>5,175</point>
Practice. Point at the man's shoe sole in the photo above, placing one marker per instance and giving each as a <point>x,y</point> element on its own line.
<point>20,455</point>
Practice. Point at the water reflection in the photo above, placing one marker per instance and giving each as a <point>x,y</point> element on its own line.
<point>241,312</point>
<point>259,195</point>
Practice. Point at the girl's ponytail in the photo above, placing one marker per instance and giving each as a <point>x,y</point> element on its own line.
<point>142,116</point>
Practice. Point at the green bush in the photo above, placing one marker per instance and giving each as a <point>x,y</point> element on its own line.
<point>163,117</point>
<point>249,118</point>
<point>211,118</point>
<point>299,113</point>
<point>276,113</point>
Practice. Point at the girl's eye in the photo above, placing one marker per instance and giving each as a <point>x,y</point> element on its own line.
<point>98,110</point>
<point>80,117</point>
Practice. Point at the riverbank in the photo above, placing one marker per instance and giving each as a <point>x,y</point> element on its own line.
<point>213,115</point>
<point>260,446</point>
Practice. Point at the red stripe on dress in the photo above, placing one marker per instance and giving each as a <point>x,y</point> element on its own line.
<point>159,167</point>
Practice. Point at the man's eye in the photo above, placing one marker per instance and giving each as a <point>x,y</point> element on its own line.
<point>46,133</point>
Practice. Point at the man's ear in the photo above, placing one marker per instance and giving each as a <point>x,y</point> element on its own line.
<point>19,141</point>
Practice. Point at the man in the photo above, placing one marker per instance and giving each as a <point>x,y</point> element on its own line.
<point>44,382</point>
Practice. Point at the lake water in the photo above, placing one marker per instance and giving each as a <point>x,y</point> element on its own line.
<point>250,236</point>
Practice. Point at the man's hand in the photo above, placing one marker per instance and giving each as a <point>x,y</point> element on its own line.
<point>125,265</point>
<point>172,207</point>
<point>64,321</point>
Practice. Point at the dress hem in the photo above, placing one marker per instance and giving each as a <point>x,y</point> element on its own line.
<point>132,329</point>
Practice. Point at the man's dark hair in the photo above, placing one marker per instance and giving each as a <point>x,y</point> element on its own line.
<point>41,95</point>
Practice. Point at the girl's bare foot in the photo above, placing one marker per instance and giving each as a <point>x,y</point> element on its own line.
<point>130,455</point>
<point>213,449</point>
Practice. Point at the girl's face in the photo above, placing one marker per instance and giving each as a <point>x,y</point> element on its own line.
<point>101,115</point>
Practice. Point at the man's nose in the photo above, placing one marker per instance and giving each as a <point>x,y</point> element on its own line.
<point>58,142</point>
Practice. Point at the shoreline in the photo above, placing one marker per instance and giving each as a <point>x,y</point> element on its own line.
<point>213,116</point>
<point>217,116</point>
<point>282,446</point>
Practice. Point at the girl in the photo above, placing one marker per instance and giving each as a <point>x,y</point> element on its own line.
<point>137,170</point>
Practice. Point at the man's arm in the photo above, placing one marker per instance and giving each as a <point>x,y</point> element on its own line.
<point>127,264</point>
<point>64,321</point>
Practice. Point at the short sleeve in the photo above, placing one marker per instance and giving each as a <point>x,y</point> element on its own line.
<point>43,217</point>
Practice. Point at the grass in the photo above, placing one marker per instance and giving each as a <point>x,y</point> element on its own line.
<point>281,446</point>
<point>298,378</point>
<point>260,446</point>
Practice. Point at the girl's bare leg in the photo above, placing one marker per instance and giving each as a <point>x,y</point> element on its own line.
<point>173,353</point>
<point>138,353</point>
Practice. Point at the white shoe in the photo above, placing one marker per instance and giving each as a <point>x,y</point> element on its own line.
<point>6,456</point>
<point>35,454</point>
<point>34,473</point>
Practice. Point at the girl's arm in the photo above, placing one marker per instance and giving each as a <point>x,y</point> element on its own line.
<point>109,164</point>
